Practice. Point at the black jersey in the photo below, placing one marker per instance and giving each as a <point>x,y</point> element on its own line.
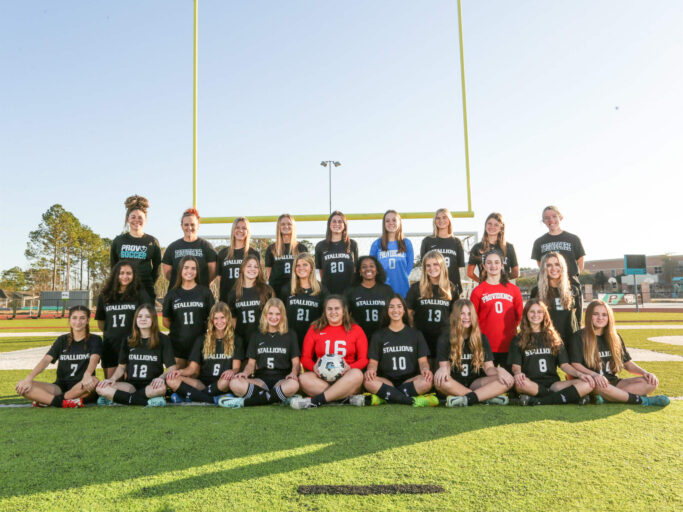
<point>431,316</point>
<point>302,310</point>
<point>118,315</point>
<point>273,352</point>
<point>189,311</point>
<point>201,249</point>
<point>212,366</point>
<point>509,261</point>
<point>398,352</point>
<point>246,311</point>
<point>537,362</point>
<point>367,304</point>
<point>576,353</point>
<point>336,264</point>
<point>452,251</point>
<point>143,363</point>
<point>281,266</point>
<point>74,359</point>
<point>564,320</point>
<point>567,244</point>
<point>467,374</point>
<point>143,252</point>
<point>229,269</point>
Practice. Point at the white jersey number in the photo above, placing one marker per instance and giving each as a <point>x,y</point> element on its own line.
<point>339,347</point>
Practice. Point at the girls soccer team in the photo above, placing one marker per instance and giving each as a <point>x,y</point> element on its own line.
<point>395,341</point>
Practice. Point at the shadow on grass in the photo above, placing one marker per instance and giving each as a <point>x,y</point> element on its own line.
<point>50,449</point>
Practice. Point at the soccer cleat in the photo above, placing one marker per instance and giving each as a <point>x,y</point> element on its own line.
<point>103,400</point>
<point>430,400</point>
<point>357,400</point>
<point>230,403</point>
<point>524,399</point>
<point>500,400</point>
<point>175,398</point>
<point>156,401</point>
<point>289,400</point>
<point>660,400</point>
<point>72,404</point>
<point>38,404</point>
<point>598,400</point>
<point>456,401</point>
<point>301,403</point>
<point>584,400</point>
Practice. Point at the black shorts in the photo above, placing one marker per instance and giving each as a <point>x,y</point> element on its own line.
<point>546,381</point>
<point>612,379</point>
<point>66,385</point>
<point>139,384</point>
<point>181,350</point>
<point>270,379</point>
<point>501,359</point>
<point>396,382</point>
<point>212,387</point>
<point>110,352</point>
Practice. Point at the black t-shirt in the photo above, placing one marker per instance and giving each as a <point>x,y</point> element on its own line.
<point>367,304</point>
<point>398,352</point>
<point>246,311</point>
<point>452,251</point>
<point>467,374</point>
<point>201,249</point>
<point>273,352</point>
<point>336,264</point>
<point>144,252</point>
<point>576,353</point>
<point>567,244</point>
<point>143,363</point>
<point>537,362</point>
<point>431,315</point>
<point>118,315</point>
<point>564,320</point>
<point>281,266</point>
<point>213,365</point>
<point>509,262</point>
<point>302,310</point>
<point>188,311</point>
<point>229,269</point>
<point>74,360</point>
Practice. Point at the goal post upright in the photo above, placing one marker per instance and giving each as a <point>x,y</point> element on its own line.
<point>323,217</point>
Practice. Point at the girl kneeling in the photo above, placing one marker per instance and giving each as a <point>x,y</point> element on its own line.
<point>466,372</point>
<point>142,359</point>
<point>535,354</point>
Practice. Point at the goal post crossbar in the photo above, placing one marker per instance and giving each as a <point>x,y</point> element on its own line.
<point>324,216</point>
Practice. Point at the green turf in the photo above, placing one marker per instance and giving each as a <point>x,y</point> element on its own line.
<point>487,458</point>
<point>638,338</point>
<point>647,316</point>
<point>10,344</point>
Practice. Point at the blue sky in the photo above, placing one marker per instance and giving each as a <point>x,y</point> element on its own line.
<point>576,103</point>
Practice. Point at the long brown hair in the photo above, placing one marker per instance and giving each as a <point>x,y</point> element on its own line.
<point>458,334</point>
<point>209,347</point>
<point>279,248</point>
<point>112,286</point>
<point>550,337</point>
<point>400,240</point>
<point>265,292</point>
<point>591,354</point>
<point>322,322</point>
<point>247,240</point>
<point>503,275</point>
<point>70,338</point>
<point>445,286</point>
<point>500,241</point>
<point>345,234</point>
<point>136,336</point>
<point>179,275</point>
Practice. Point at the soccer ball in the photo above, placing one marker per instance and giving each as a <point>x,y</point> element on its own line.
<point>330,367</point>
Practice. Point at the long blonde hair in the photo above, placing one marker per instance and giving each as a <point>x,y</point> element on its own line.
<point>591,354</point>
<point>450,222</point>
<point>279,248</point>
<point>551,338</point>
<point>564,288</point>
<point>209,347</point>
<point>295,287</point>
<point>282,327</point>
<point>500,241</point>
<point>247,240</point>
<point>458,334</point>
<point>445,286</point>
<point>400,240</point>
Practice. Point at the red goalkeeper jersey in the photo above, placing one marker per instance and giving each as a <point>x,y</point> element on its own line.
<point>499,308</point>
<point>352,345</point>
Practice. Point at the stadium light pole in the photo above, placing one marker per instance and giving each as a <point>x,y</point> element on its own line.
<point>329,164</point>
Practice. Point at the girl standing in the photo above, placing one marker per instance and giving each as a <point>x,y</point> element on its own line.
<point>230,258</point>
<point>280,255</point>
<point>448,245</point>
<point>493,239</point>
<point>394,252</point>
<point>336,255</point>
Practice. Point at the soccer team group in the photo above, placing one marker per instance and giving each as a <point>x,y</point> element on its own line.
<point>310,329</point>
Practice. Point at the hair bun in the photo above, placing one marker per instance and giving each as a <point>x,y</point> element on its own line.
<point>136,202</point>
